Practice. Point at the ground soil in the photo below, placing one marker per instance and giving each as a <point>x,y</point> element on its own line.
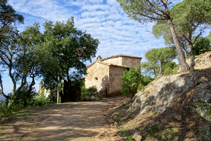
<point>77,121</point>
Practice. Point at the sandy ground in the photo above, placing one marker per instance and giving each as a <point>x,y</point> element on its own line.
<point>74,121</point>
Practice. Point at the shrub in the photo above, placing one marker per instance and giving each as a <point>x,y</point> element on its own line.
<point>168,71</point>
<point>21,97</point>
<point>147,79</point>
<point>83,92</point>
<point>169,68</point>
<point>40,101</point>
<point>140,87</point>
<point>201,46</point>
<point>88,92</point>
<point>131,81</point>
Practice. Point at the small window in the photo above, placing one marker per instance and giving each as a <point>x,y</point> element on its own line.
<point>96,78</point>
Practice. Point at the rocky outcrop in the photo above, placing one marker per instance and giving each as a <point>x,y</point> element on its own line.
<point>201,61</point>
<point>191,88</point>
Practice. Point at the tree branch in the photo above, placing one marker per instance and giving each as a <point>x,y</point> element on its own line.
<point>2,89</point>
<point>190,42</point>
<point>157,8</point>
<point>197,37</point>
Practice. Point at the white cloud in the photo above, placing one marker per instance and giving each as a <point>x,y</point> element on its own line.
<point>103,19</point>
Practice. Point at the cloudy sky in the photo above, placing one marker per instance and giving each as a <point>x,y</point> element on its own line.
<point>103,19</point>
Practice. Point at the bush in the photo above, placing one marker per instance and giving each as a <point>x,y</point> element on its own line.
<point>131,81</point>
<point>88,92</point>
<point>40,101</point>
<point>20,98</point>
<point>140,87</point>
<point>201,46</point>
<point>83,92</point>
<point>146,80</point>
<point>169,68</point>
<point>168,71</point>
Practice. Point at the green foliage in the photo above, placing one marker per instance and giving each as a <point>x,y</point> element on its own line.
<point>160,56</point>
<point>88,92</point>
<point>145,81</point>
<point>140,87</point>
<point>8,15</point>
<point>169,68</point>
<point>40,101</point>
<point>20,98</point>
<point>145,11</point>
<point>150,68</point>
<point>83,92</point>
<point>154,129</point>
<point>131,81</point>
<point>129,138</point>
<point>67,49</point>
<point>202,45</point>
<point>188,16</point>
<point>167,71</point>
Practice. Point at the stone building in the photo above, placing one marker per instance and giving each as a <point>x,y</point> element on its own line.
<point>106,74</point>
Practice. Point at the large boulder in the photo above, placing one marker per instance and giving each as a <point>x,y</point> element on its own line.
<point>178,90</point>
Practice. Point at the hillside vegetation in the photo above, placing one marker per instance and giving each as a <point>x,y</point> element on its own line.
<point>173,107</point>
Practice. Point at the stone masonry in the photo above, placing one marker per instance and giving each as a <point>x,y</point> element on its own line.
<point>106,74</point>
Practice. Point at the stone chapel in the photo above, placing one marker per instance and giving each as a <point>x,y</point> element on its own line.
<point>106,74</point>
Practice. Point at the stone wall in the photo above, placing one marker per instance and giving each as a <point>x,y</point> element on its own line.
<point>115,79</point>
<point>114,61</point>
<point>131,62</point>
<point>97,75</point>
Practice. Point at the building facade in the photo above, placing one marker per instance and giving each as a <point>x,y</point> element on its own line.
<point>106,74</point>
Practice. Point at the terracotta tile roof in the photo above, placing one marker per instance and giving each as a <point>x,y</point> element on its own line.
<point>121,55</point>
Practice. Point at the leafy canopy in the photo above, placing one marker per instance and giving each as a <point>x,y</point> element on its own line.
<point>161,55</point>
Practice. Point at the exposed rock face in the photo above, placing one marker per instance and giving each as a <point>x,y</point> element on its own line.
<point>201,61</point>
<point>178,90</point>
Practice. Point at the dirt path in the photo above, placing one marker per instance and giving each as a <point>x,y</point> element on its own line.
<point>77,121</point>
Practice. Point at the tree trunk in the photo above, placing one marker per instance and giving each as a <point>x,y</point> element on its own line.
<point>2,90</point>
<point>161,65</point>
<point>13,81</point>
<point>154,72</point>
<point>186,56</point>
<point>184,65</point>
<point>191,48</point>
<point>29,91</point>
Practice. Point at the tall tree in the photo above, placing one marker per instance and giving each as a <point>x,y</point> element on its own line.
<point>8,36</point>
<point>161,56</point>
<point>9,54</point>
<point>185,23</point>
<point>66,48</point>
<point>155,10</point>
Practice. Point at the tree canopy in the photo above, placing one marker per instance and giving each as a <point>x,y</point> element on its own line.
<point>185,23</point>
<point>158,10</point>
<point>63,50</point>
<point>161,56</point>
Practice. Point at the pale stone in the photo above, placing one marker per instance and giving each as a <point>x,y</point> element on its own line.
<point>203,79</point>
<point>137,136</point>
<point>172,90</point>
<point>106,74</point>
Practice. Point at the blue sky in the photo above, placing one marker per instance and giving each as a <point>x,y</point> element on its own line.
<point>103,19</point>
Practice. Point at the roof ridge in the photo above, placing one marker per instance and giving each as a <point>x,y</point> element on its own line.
<point>114,56</point>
